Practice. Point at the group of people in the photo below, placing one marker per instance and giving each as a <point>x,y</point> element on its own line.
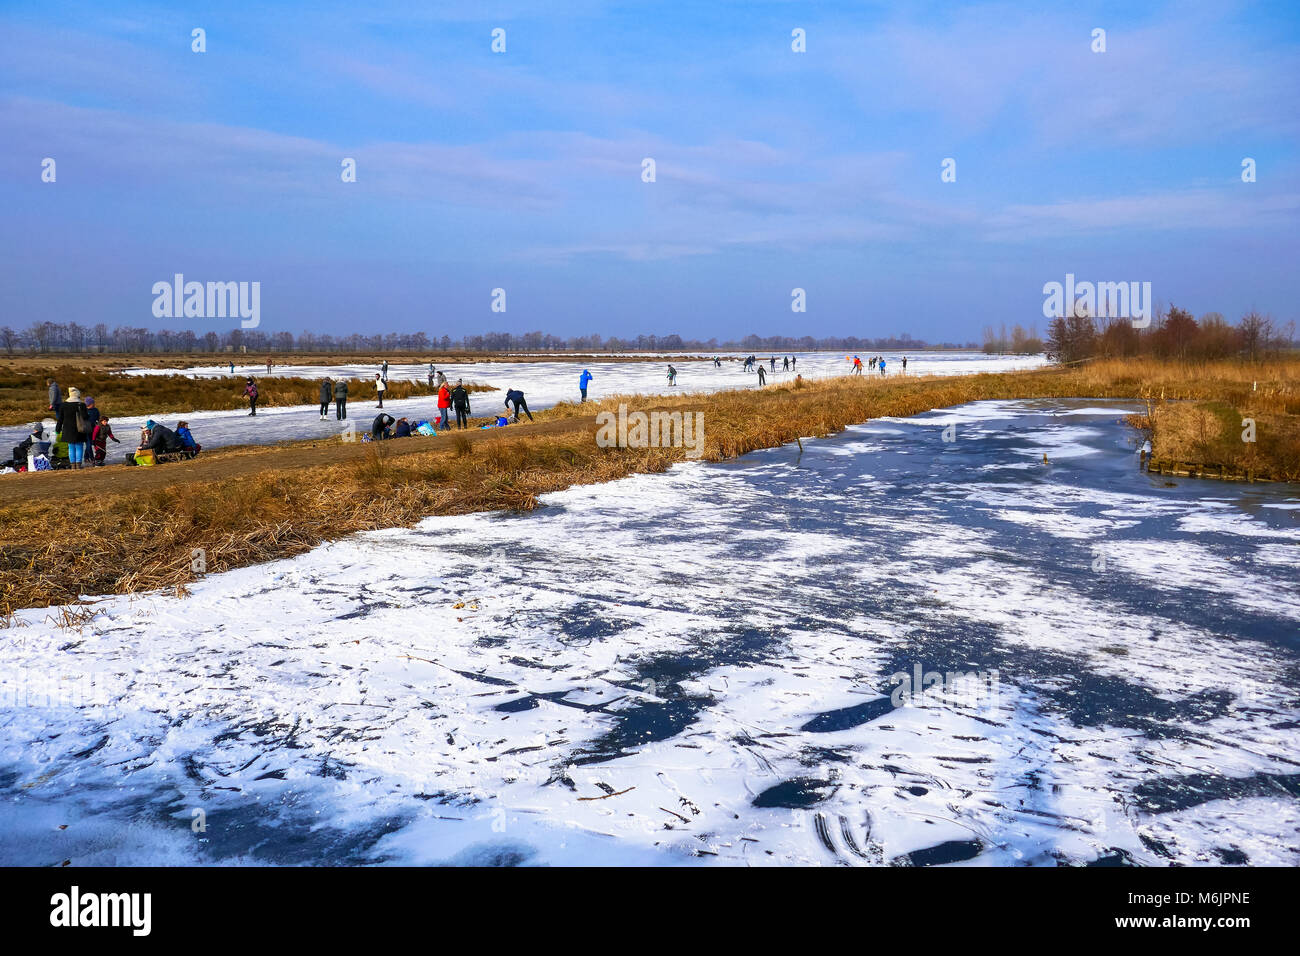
<point>157,439</point>
<point>82,428</point>
<point>79,424</point>
<point>450,398</point>
<point>385,426</point>
<point>86,432</point>
<point>788,364</point>
<point>876,362</point>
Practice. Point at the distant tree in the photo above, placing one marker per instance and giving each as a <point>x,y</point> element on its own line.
<point>1118,339</point>
<point>1255,331</point>
<point>1071,338</point>
<point>1216,339</point>
<point>1175,334</point>
<point>990,340</point>
<point>39,334</point>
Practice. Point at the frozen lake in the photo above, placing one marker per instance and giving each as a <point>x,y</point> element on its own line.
<point>543,383</point>
<point>702,667</point>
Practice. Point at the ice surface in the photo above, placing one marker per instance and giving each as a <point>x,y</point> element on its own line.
<point>701,667</point>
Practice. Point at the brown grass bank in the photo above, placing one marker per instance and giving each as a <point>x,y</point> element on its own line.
<point>265,507</point>
<point>1218,439</point>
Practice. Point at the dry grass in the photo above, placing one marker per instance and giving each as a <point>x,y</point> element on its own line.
<point>143,540</point>
<point>1271,385</point>
<point>1213,434</point>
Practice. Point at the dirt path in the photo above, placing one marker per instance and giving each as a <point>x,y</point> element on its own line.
<point>240,461</point>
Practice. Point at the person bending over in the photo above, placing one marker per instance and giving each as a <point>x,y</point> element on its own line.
<point>516,398</point>
<point>379,428</point>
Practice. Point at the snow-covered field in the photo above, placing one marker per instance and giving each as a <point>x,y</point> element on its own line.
<point>543,383</point>
<point>701,667</point>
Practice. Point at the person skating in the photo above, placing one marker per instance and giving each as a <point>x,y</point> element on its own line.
<point>785,363</point>
<point>794,361</point>
<point>326,393</point>
<point>444,403</point>
<point>232,368</point>
<point>904,363</point>
<point>583,381</point>
<point>460,400</point>
<point>379,427</point>
<point>251,391</point>
<point>431,370</point>
<point>73,426</point>
<point>857,365</point>
<point>773,363</point>
<point>380,387</point>
<point>762,376</point>
<point>516,397</point>
<point>384,371</point>
<point>341,399</point>
<point>882,367</point>
<point>672,375</point>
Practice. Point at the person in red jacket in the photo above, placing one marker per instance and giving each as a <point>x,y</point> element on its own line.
<point>99,438</point>
<point>444,403</point>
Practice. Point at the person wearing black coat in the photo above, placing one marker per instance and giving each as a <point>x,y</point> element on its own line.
<point>341,399</point>
<point>161,439</point>
<point>460,402</point>
<point>72,423</point>
<point>516,398</point>
<point>326,393</point>
<point>379,428</point>
<point>92,419</point>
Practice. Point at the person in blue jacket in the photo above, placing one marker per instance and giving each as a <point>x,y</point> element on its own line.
<point>583,381</point>
<point>516,398</point>
<point>186,436</point>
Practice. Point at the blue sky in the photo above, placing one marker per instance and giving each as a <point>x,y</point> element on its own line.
<point>522,170</point>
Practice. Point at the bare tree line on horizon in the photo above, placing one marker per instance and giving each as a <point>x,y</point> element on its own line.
<point>49,337</point>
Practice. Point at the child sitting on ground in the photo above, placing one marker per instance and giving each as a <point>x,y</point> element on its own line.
<point>183,433</point>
